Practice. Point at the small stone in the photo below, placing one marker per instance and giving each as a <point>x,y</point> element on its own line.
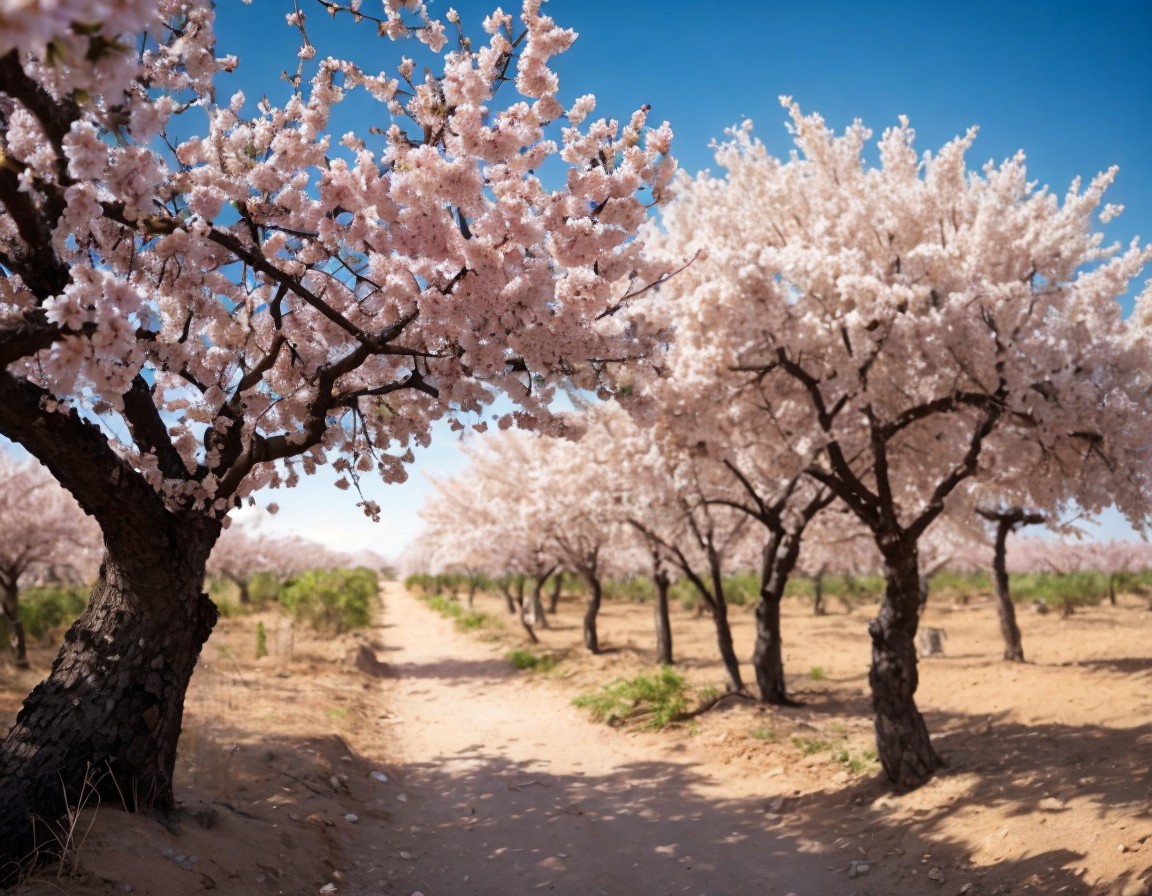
<point>379,776</point>
<point>936,873</point>
<point>1123,848</point>
<point>351,818</point>
<point>561,855</point>
<point>335,782</point>
<point>328,889</point>
<point>855,869</point>
<point>405,855</point>
<point>402,797</point>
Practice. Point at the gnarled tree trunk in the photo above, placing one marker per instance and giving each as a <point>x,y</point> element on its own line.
<point>107,719</point>
<point>902,741</point>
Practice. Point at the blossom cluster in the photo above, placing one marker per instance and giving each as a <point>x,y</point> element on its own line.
<point>288,293</point>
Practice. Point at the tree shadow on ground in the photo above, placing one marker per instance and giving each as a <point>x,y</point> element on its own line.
<point>1009,770</point>
<point>477,824</point>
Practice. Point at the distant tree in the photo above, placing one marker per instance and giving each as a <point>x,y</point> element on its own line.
<point>42,530</point>
<point>1005,521</point>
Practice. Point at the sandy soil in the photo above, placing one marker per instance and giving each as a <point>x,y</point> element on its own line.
<point>414,759</point>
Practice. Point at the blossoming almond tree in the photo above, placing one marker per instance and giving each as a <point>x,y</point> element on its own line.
<point>41,529</point>
<point>202,295</point>
<point>913,310</point>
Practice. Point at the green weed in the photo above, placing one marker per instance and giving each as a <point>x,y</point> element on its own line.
<point>653,700</point>
<point>527,661</point>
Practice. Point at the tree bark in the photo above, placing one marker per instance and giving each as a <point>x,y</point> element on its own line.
<point>780,556</point>
<point>818,608</point>
<point>663,622</point>
<point>506,590</point>
<point>107,719</point>
<point>591,611</point>
<point>1013,648</point>
<point>554,598</point>
<point>537,602</point>
<point>902,741</point>
<point>1007,521</point>
<point>11,607</point>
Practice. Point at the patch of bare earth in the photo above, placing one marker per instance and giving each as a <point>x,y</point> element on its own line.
<point>425,763</point>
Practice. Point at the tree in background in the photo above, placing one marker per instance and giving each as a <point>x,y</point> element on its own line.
<point>202,295</point>
<point>900,319</point>
<point>42,531</point>
<point>241,553</point>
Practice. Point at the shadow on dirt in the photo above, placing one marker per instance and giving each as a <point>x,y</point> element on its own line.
<point>476,823</point>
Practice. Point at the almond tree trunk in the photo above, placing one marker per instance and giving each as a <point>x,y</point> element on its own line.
<point>10,604</point>
<point>663,621</point>
<point>1013,647</point>
<point>591,612</point>
<point>1007,521</point>
<point>537,601</point>
<point>554,597</point>
<point>780,556</point>
<point>902,741</point>
<point>107,719</point>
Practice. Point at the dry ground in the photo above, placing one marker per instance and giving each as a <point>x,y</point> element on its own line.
<point>488,781</point>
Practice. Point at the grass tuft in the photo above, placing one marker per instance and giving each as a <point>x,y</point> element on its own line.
<point>653,701</point>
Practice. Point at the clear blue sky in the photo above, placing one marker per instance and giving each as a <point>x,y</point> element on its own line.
<point>1070,83</point>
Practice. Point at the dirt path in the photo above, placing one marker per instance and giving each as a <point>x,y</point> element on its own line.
<point>436,769</point>
<point>508,790</point>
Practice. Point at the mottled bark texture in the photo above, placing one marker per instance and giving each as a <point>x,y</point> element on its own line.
<point>902,741</point>
<point>107,719</point>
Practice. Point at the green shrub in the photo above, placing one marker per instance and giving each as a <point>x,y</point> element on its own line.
<point>263,589</point>
<point>332,600</point>
<point>46,609</point>
<point>468,620</point>
<point>816,673</point>
<point>654,699</point>
<point>261,641</point>
<point>742,589</point>
<point>527,661</point>
<point>637,589</point>
<point>1065,590</point>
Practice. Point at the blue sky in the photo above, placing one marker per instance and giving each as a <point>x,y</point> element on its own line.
<point>1070,83</point>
